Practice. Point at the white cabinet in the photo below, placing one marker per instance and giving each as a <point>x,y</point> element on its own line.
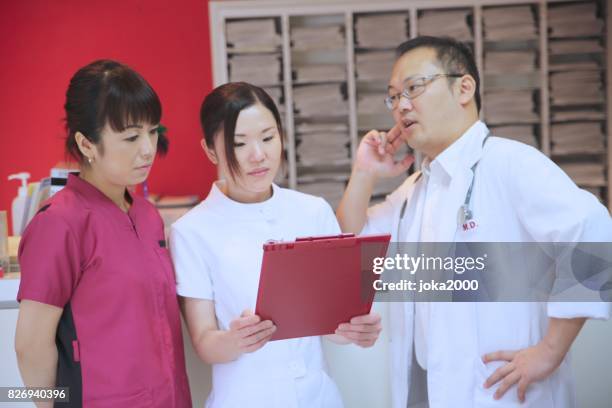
<point>542,65</point>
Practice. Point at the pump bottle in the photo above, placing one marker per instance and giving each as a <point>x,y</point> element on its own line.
<point>20,203</point>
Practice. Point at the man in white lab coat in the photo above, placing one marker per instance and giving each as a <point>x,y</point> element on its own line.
<point>475,354</point>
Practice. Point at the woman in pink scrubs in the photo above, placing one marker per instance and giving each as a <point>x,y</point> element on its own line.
<point>99,311</point>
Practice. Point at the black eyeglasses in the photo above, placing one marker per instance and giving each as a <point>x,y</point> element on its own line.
<point>415,87</point>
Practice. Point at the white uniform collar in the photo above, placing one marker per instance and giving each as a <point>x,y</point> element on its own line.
<point>219,202</point>
<point>460,155</point>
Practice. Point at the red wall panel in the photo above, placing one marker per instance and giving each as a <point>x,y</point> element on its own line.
<point>42,43</point>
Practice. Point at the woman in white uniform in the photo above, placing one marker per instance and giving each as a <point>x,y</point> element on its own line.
<point>217,253</point>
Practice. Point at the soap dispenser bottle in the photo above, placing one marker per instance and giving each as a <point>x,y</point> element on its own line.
<point>20,203</point>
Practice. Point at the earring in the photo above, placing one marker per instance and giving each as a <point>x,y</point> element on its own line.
<point>89,159</point>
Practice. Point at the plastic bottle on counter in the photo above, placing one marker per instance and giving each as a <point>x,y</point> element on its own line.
<point>20,203</point>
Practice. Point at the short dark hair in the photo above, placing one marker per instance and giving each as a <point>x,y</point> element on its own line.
<point>220,111</point>
<point>107,91</point>
<point>453,55</point>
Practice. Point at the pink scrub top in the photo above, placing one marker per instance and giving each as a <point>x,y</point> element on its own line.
<point>119,337</point>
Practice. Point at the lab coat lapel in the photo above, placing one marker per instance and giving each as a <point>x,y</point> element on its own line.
<point>451,204</point>
<point>454,197</point>
<point>401,314</point>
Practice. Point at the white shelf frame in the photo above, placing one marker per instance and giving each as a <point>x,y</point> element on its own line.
<point>288,91</point>
<point>544,94</point>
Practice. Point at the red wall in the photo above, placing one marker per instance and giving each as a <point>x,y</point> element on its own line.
<point>42,43</point>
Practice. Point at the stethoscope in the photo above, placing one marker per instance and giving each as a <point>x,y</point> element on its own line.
<point>465,213</point>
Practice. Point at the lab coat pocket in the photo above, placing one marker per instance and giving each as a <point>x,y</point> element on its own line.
<point>483,397</point>
<point>539,395</point>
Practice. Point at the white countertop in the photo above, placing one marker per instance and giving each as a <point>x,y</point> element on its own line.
<point>8,293</point>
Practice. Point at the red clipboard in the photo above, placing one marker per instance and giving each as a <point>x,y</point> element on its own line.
<point>309,286</point>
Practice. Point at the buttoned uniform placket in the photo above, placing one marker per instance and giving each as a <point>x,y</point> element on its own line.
<point>164,341</point>
<point>437,183</point>
<point>296,367</point>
